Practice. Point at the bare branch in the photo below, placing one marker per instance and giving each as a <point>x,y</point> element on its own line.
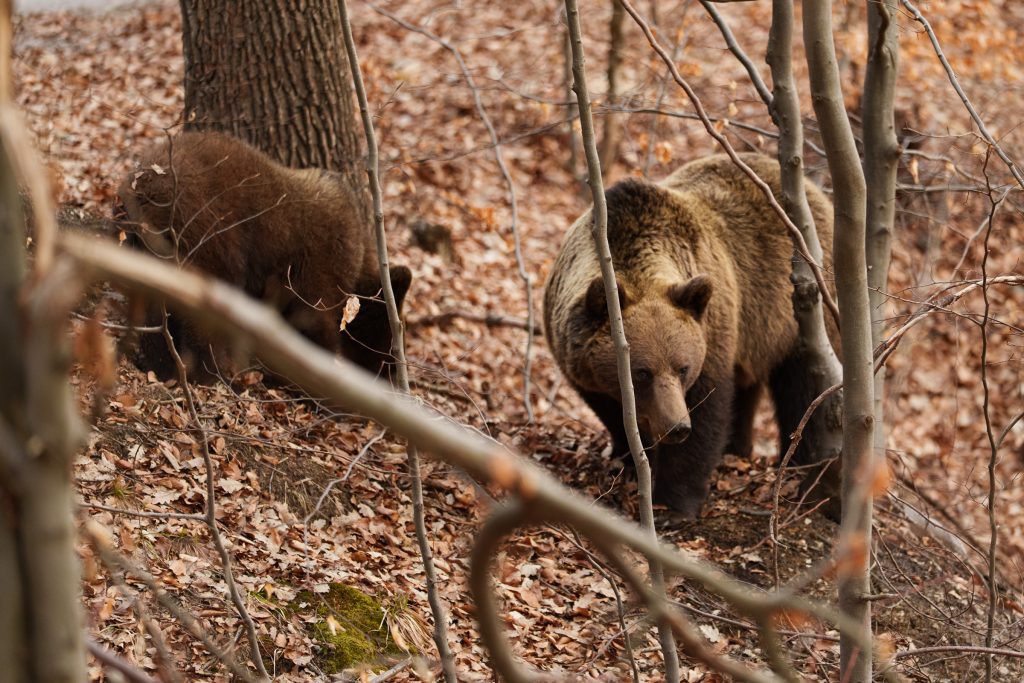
<point>599,231</point>
<point>103,543</point>
<point>823,366</point>
<point>734,47</point>
<point>210,516</point>
<point>220,307</point>
<point>966,649</point>
<point>398,345</point>
<point>1012,165</point>
<point>109,660</point>
<point>858,459</point>
<point>993,454</point>
<point>16,141</point>
<point>489,319</point>
<point>499,158</point>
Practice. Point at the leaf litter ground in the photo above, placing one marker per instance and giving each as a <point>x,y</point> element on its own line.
<point>309,500</point>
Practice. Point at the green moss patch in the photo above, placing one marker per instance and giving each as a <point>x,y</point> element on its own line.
<point>349,627</point>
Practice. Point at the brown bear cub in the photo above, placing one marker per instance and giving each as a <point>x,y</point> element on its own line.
<point>290,237</point>
<point>703,267</point>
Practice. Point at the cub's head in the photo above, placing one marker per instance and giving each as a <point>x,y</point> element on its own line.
<point>366,340</point>
<point>667,345</point>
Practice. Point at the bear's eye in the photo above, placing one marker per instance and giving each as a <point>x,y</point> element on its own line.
<point>642,377</point>
<point>684,371</point>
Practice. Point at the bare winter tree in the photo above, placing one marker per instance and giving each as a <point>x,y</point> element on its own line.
<point>823,432</point>
<point>275,74</point>
<point>855,316</point>
<point>611,133</point>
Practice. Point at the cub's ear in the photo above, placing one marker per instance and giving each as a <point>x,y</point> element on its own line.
<point>693,295</point>
<point>597,302</point>
<point>401,278</point>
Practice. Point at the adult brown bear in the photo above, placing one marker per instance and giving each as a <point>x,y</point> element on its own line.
<point>288,236</point>
<point>703,267</point>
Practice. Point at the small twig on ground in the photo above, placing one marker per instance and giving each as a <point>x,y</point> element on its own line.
<point>103,542</point>
<point>489,319</point>
<point>109,660</point>
<point>150,515</point>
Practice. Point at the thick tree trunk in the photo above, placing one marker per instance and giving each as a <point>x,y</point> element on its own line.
<point>274,73</point>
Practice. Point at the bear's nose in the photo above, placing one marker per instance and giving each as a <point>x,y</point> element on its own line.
<point>679,433</point>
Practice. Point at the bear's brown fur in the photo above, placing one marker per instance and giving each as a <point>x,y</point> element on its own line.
<point>288,236</point>
<point>703,267</point>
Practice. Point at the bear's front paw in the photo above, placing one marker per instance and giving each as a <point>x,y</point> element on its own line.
<point>683,504</point>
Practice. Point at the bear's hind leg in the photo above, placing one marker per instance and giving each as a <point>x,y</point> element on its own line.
<point>744,407</point>
<point>793,390</point>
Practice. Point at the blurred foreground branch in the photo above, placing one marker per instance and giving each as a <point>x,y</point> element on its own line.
<point>222,308</point>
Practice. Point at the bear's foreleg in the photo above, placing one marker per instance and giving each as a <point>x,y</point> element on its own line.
<point>683,471</point>
<point>609,411</point>
<point>193,348</point>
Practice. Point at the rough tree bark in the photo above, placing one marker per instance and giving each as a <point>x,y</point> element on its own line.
<point>275,74</point>
<point>855,319</point>
<point>824,432</point>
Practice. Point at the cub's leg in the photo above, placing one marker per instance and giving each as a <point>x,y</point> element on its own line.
<point>154,356</point>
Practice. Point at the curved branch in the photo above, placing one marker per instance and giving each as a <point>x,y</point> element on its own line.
<point>221,307</point>
<point>1014,168</point>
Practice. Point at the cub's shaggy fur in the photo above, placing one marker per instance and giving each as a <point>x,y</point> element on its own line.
<point>703,266</point>
<point>291,237</point>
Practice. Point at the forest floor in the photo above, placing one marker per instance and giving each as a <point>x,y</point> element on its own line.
<point>315,505</point>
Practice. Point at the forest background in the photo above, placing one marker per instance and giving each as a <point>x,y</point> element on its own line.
<point>96,87</point>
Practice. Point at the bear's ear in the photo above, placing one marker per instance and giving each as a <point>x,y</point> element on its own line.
<point>401,278</point>
<point>597,302</point>
<point>692,295</point>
